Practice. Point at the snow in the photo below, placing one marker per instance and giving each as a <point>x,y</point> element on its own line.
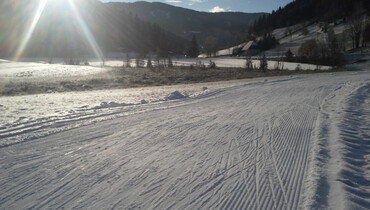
<point>296,39</point>
<point>26,111</point>
<point>240,62</point>
<point>12,70</point>
<point>274,143</point>
<point>38,69</point>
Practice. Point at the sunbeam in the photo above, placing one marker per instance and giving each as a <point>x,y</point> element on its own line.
<point>90,38</point>
<point>24,42</point>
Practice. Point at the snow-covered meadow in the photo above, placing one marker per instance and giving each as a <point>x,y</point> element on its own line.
<point>288,142</point>
<point>119,61</point>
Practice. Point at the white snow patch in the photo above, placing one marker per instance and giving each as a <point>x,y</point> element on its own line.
<point>13,70</point>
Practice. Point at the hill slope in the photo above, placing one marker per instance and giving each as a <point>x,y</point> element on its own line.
<point>300,11</point>
<point>186,22</point>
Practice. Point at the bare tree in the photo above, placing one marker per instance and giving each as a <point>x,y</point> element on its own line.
<point>366,35</point>
<point>355,30</point>
<point>128,61</point>
<point>249,63</point>
<point>211,45</point>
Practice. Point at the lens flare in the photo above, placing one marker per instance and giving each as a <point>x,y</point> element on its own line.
<point>24,42</point>
<point>87,33</point>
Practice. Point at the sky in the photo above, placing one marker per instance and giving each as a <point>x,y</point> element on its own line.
<point>249,6</point>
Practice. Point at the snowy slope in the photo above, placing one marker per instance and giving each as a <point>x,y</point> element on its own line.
<point>255,145</point>
<point>297,38</point>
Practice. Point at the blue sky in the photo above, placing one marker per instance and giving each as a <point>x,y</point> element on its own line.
<point>224,5</point>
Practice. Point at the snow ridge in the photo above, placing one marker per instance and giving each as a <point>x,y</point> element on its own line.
<point>355,137</point>
<point>339,164</point>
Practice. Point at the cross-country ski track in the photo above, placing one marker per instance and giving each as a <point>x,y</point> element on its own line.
<point>299,142</point>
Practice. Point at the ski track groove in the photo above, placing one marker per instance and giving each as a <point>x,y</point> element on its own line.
<point>227,149</point>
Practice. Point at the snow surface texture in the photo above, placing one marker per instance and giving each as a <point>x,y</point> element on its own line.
<point>292,143</point>
<point>13,70</point>
<point>34,109</point>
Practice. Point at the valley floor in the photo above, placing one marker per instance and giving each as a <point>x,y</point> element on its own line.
<point>284,143</point>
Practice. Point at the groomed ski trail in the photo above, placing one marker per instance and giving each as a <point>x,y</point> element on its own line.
<point>246,147</point>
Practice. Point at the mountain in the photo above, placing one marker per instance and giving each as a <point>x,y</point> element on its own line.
<point>85,28</point>
<point>185,22</point>
<point>90,27</point>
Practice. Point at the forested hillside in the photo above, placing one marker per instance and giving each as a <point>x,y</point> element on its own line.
<point>300,11</point>
<point>225,26</point>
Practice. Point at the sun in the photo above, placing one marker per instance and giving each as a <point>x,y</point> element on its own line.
<point>59,6</point>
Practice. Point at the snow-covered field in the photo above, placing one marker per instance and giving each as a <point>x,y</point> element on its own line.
<point>282,143</point>
<point>236,62</point>
<point>39,66</point>
<point>13,70</point>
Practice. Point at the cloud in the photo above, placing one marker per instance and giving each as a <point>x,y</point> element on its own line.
<point>217,9</point>
<point>174,1</point>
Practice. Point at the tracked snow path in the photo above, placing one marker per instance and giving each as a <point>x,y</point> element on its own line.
<point>244,147</point>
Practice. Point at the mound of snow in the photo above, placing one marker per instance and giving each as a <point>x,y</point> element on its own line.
<point>176,95</point>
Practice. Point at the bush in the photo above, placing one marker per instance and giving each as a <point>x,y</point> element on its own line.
<point>298,68</point>
<point>319,53</point>
<point>212,65</point>
<point>263,63</point>
<point>249,63</point>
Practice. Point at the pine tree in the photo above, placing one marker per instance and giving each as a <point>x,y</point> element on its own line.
<point>289,55</point>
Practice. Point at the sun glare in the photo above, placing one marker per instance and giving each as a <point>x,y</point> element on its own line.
<point>76,15</point>
<point>22,46</point>
<point>87,33</point>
